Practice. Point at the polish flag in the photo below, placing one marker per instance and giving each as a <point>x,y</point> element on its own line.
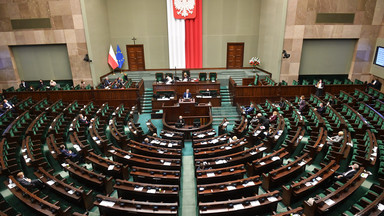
<point>185,33</point>
<point>112,61</point>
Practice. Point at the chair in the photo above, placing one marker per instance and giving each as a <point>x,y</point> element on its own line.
<point>196,122</point>
<point>159,76</point>
<point>212,76</point>
<point>169,74</point>
<point>203,76</point>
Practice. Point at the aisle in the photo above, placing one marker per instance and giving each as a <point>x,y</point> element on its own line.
<point>188,201</point>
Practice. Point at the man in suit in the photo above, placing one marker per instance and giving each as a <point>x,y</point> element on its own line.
<point>8,105</point>
<point>335,139</point>
<point>187,94</point>
<point>41,84</point>
<point>375,84</point>
<point>106,82</point>
<point>263,121</point>
<point>320,109</point>
<point>181,121</point>
<point>70,154</point>
<point>249,110</point>
<point>351,171</point>
<point>23,86</point>
<point>319,88</point>
<point>27,182</point>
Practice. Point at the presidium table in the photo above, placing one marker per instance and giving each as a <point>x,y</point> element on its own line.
<point>191,111</point>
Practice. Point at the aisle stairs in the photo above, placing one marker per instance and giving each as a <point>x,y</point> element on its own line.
<point>147,101</point>
<point>225,111</point>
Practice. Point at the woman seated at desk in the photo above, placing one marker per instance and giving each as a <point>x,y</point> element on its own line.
<point>186,78</point>
<point>168,80</point>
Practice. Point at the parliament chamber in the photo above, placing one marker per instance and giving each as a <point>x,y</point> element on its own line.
<point>192,107</point>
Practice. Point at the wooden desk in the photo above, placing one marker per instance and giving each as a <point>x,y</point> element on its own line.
<point>189,111</point>
<point>180,87</point>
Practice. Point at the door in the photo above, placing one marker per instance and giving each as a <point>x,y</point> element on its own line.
<point>235,55</point>
<point>135,55</point>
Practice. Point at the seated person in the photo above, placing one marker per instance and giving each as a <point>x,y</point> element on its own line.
<point>83,119</point>
<point>83,85</point>
<point>351,171</point>
<point>118,83</point>
<point>168,80</point>
<point>106,82</point>
<point>249,110</point>
<point>376,84</point>
<point>273,117</point>
<point>281,104</point>
<point>7,105</point>
<point>71,155</point>
<point>330,102</point>
<point>187,94</point>
<point>28,183</point>
<point>154,134</point>
<point>186,78</point>
<point>146,141</point>
<point>53,84</point>
<point>335,139</point>
<point>41,84</point>
<point>233,139</point>
<point>180,122</point>
<point>23,86</point>
<point>320,109</point>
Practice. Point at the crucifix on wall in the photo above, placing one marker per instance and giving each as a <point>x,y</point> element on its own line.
<point>134,40</point>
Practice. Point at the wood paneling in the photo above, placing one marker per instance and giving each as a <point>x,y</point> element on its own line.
<point>135,55</point>
<point>235,55</point>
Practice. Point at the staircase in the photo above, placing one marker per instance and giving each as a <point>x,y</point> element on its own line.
<point>226,99</point>
<point>226,110</point>
<point>147,101</point>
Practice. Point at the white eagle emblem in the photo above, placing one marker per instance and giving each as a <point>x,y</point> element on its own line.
<point>183,7</point>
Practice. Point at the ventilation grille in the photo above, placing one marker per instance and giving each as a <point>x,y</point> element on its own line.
<point>31,23</point>
<point>335,18</point>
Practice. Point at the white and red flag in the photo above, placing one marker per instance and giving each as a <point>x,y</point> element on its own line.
<point>112,61</point>
<point>185,33</point>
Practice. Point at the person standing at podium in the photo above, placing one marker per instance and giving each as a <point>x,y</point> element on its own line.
<point>187,95</point>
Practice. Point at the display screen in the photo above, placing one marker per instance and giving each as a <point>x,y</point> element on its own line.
<point>379,57</point>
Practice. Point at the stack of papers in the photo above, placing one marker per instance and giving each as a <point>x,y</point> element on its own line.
<point>166,163</point>
<point>107,203</point>
<point>50,182</point>
<point>249,184</point>
<point>272,199</point>
<point>210,174</point>
<point>231,187</point>
<point>152,191</point>
<point>110,167</point>
<point>139,189</point>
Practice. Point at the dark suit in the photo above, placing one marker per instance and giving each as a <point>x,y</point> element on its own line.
<point>181,121</point>
<point>106,83</point>
<point>321,110</point>
<point>23,86</point>
<point>376,85</point>
<point>264,121</point>
<point>41,85</point>
<point>185,95</point>
<point>30,184</point>
<point>8,105</point>
<point>349,173</point>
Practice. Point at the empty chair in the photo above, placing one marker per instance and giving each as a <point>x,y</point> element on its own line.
<point>203,76</point>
